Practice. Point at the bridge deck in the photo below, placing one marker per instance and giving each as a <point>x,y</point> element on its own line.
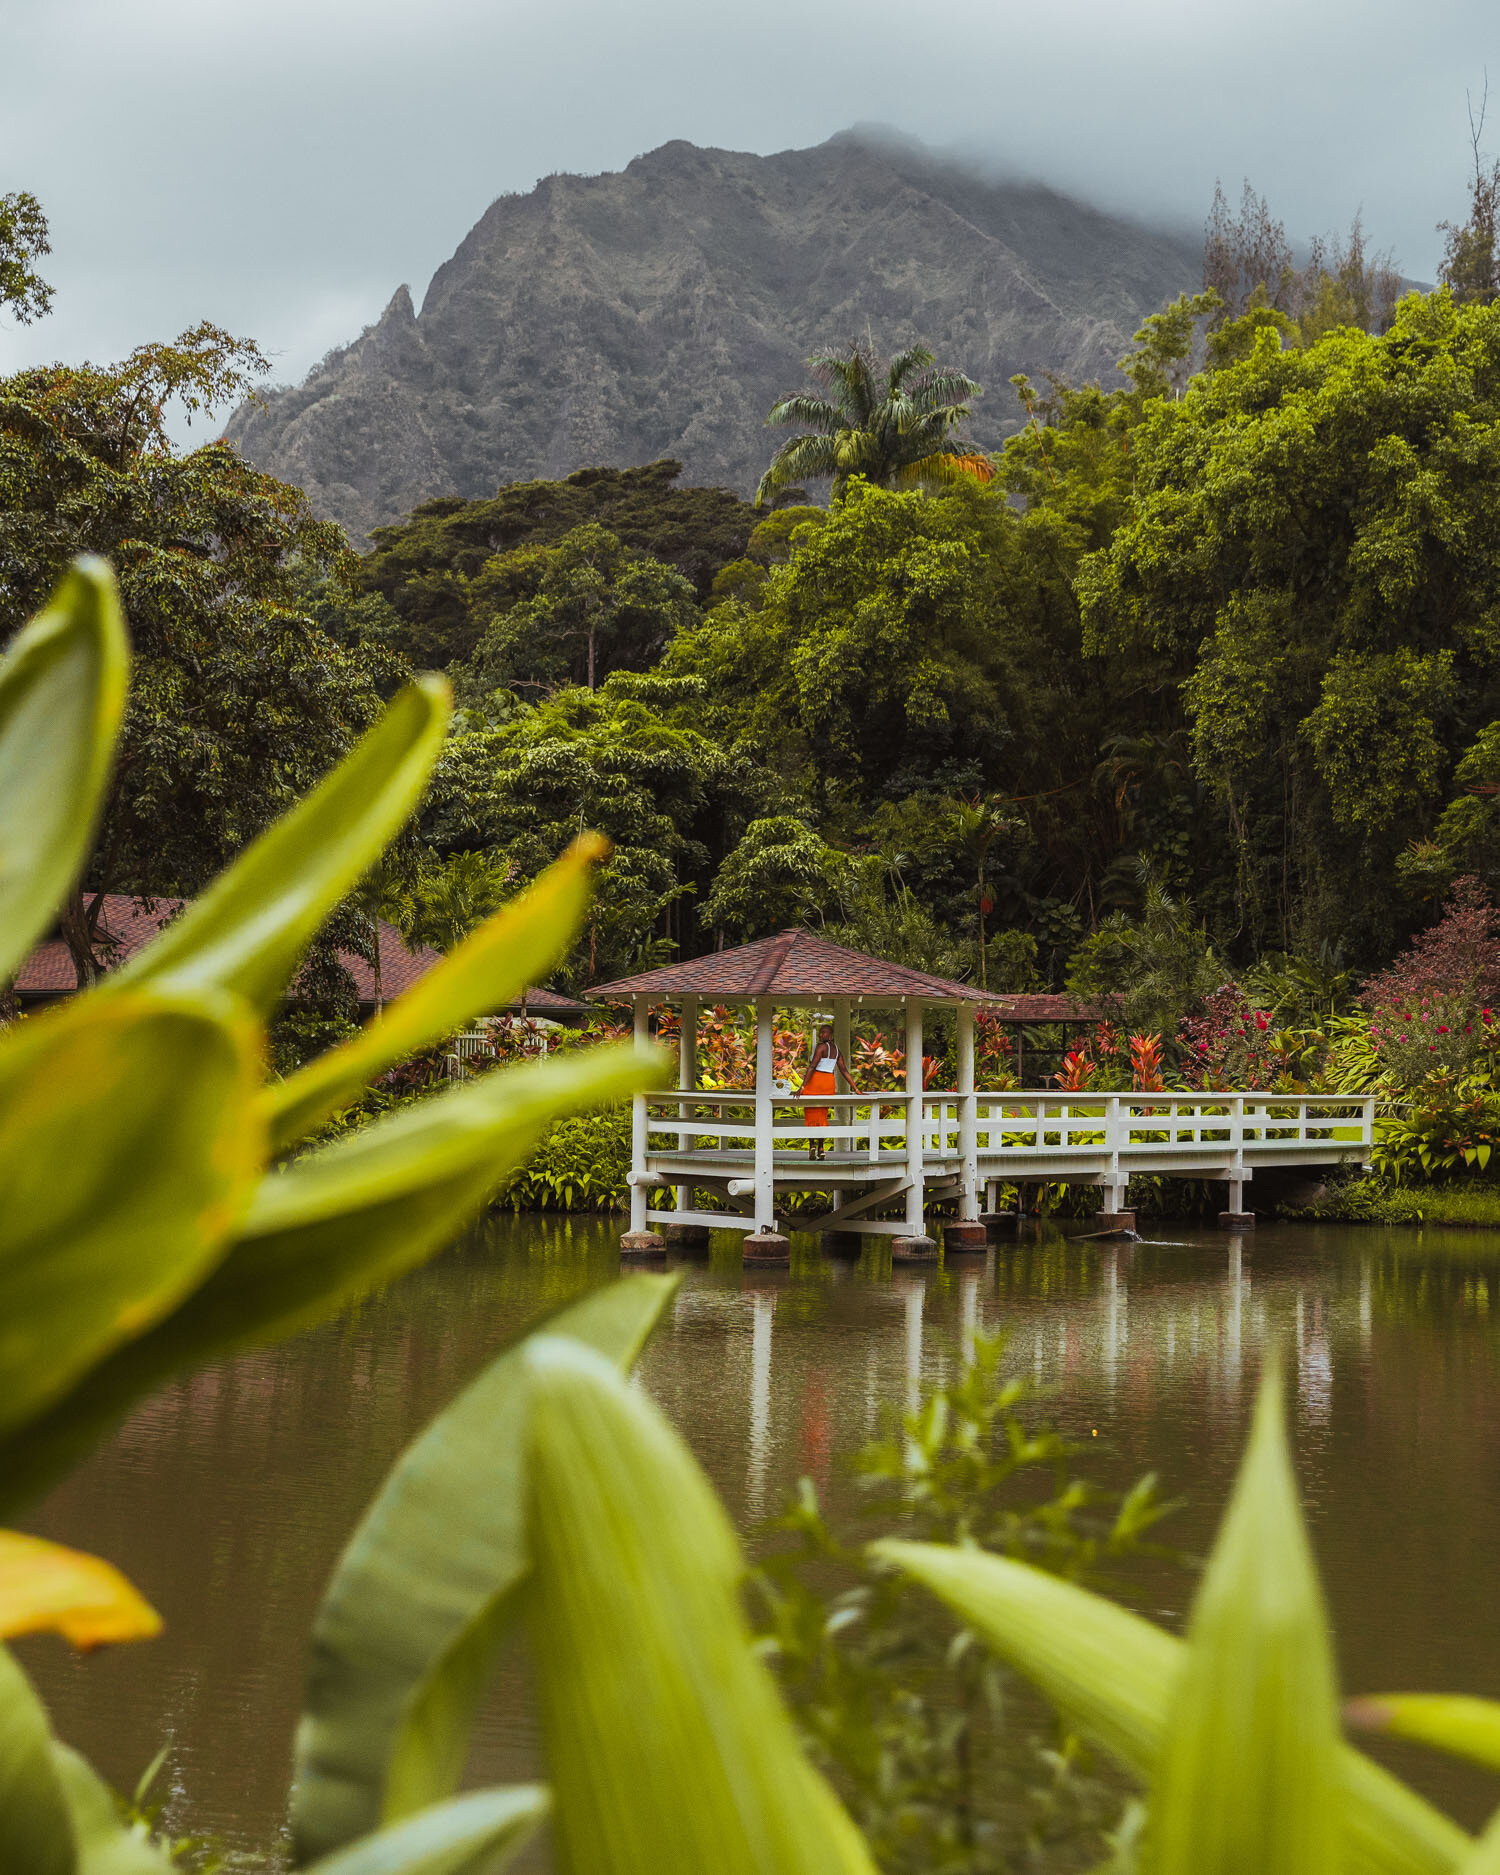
<point>742,1148</point>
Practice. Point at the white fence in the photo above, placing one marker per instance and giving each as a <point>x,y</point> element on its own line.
<point>1057,1132</point>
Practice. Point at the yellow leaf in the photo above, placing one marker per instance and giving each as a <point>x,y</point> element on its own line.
<point>48,1589</point>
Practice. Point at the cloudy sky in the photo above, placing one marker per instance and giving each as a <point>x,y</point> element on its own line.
<point>280,166</point>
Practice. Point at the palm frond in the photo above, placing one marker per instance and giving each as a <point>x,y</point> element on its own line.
<point>799,459</point>
<point>914,358</point>
<point>945,387</point>
<point>849,375</point>
<point>944,469</point>
<point>815,413</point>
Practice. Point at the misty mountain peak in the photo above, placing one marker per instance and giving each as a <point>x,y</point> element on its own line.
<point>659,311</point>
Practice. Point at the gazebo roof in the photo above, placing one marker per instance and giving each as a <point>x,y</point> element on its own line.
<point>792,967</point>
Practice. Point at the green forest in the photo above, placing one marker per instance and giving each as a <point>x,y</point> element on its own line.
<point>1192,690</point>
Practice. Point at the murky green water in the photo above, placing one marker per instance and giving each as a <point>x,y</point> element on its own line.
<point>228,1496</point>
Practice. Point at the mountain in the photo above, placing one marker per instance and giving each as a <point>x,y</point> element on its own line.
<point>660,311</point>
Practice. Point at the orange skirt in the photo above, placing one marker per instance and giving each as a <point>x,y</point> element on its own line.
<point>821,1083</point>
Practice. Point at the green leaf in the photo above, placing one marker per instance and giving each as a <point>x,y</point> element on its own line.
<point>1113,1675</point>
<point>669,1749</point>
<point>247,932</point>
<point>472,1835</point>
<point>405,1636</point>
<point>1247,1782</point>
<point>488,970</point>
<point>62,688</point>
<point>36,1831</point>
<point>130,1144</point>
<point>329,1228</point>
<point>1456,1722</point>
<point>105,1845</point>
<point>1485,1857</point>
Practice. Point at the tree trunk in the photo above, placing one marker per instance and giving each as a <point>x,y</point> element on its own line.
<point>591,657</point>
<point>74,920</point>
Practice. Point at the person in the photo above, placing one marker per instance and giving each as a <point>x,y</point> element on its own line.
<point>825,1064</point>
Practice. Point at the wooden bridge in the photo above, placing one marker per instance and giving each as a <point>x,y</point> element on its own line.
<point>886,1155</point>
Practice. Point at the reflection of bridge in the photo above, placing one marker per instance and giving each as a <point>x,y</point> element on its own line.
<point>892,1151</point>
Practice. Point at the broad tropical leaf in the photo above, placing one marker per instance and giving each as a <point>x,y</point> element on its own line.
<point>105,1845</point>
<point>36,1830</point>
<point>669,1749</point>
<point>46,1588</point>
<point>404,1638</point>
<point>1456,1722</point>
<point>247,932</point>
<point>1248,1778</point>
<point>62,689</point>
<point>1484,1858</point>
<point>1113,1674</point>
<point>472,1835</point>
<point>509,951</point>
<point>129,1148</point>
<point>329,1228</point>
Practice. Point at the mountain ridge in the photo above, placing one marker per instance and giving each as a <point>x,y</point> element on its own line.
<point>660,309</point>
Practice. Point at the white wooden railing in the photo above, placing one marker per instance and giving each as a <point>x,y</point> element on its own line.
<point>1136,1127</point>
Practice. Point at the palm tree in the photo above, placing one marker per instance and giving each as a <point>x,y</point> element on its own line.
<point>892,424</point>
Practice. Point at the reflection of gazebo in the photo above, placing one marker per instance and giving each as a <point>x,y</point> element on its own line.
<point>747,1147</point>
<point>891,1150</point>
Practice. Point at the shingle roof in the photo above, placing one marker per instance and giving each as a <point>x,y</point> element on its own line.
<point>126,924</point>
<point>794,966</point>
<point>1040,1008</point>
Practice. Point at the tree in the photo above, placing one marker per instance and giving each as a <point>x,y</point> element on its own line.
<point>1471,258</point>
<point>587,606</point>
<point>781,873</point>
<point>1249,267</point>
<point>1314,558</point>
<point>239,702</point>
<point>428,588</point>
<point>620,759</point>
<point>23,236</point>
<point>891,423</point>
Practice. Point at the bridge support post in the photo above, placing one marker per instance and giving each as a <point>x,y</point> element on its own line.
<point>687,1080</point>
<point>765,1244</point>
<point>968,1119</point>
<point>639,1241</point>
<point>1237,1217</point>
<point>915,1244</point>
<point>1116,1181</point>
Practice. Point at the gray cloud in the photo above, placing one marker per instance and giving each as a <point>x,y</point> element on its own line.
<point>280,166</point>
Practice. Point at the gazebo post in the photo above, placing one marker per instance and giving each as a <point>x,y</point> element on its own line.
<point>639,1241</point>
<point>765,1243</point>
<point>916,1243</point>
<point>968,1233</point>
<point>687,1236</point>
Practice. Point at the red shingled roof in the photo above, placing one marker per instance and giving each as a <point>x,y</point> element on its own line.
<point>794,966</point>
<point>126,924</point>
<point>1040,1008</point>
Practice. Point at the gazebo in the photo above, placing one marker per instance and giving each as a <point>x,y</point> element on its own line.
<point>749,1146</point>
<point>892,1150</point>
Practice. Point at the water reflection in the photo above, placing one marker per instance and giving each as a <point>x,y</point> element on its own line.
<point>229,1495</point>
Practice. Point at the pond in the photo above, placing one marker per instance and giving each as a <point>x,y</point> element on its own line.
<point>228,1496</point>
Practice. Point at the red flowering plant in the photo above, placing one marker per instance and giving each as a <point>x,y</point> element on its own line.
<point>994,1053</point>
<point>1078,1070</point>
<point>1147,1073</point>
<point>1230,1044</point>
<point>1434,1009</point>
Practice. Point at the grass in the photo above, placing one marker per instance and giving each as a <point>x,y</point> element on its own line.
<point>1475,1203</point>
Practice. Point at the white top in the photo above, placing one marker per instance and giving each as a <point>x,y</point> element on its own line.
<point>826,1064</point>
